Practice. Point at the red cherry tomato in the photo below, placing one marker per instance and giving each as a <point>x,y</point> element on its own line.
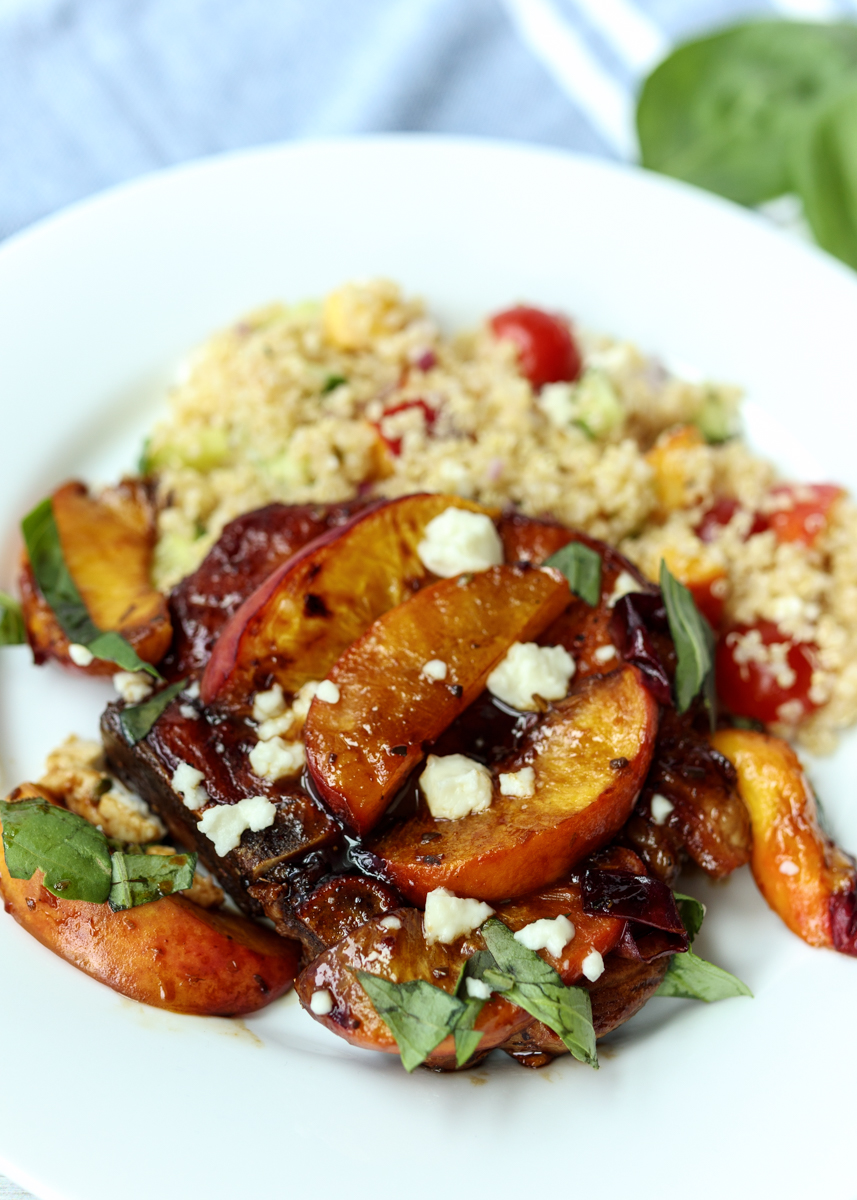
<point>757,689</point>
<point>394,444</point>
<point>547,353</point>
<point>806,508</point>
<point>721,513</point>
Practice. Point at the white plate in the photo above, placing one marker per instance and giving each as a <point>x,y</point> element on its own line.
<point>101,1097</point>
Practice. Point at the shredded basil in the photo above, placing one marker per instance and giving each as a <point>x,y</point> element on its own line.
<point>418,1014</point>
<point>582,568</point>
<point>690,977</point>
<point>331,383</point>
<point>12,631</point>
<point>44,549</point>
<point>826,179</point>
<point>76,860</point>
<point>694,644</point>
<point>138,719</point>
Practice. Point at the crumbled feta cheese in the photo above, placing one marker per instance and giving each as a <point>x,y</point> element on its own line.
<point>133,686</point>
<point>546,934</point>
<point>390,923</point>
<point>604,654</point>
<point>81,656</point>
<point>660,808</point>
<point>447,917</point>
<point>187,782</point>
<point>556,400</point>
<point>321,1003</point>
<point>192,692</point>
<point>304,698</point>
<point>269,704</point>
<point>275,727</point>
<point>593,966</point>
<point>327,692</point>
<point>477,989</point>
<point>787,867</point>
<point>625,584</point>
<point>188,712</point>
<point>276,759</point>
<point>459,540</point>
<point>528,671</point>
<point>455,786</point>
<point>518,783</point>
<point>434,670</point>
<point>225,823</point>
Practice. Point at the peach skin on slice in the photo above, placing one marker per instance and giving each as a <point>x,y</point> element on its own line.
<point>363,747</point>
<point>589,754</point>
<point>296,624</point>
<point>807,880</point>
<point>169,954</point>
<point>107,542</point>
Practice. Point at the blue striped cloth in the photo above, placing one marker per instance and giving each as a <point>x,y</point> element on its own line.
<point>94,92</point>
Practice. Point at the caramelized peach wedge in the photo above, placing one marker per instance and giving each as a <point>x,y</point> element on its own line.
<point>107,542</point>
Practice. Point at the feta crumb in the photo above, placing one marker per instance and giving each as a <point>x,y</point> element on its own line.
<point>327,692</point>
<point>276,759</point>
<point>81,656</point>
<point>518,783</point>
<point>434,670</point>
<point>447,917</point>
<point>133,686</point>
<point>188,711</point>
<point>477,989</point>
<point>304,698</point>
<point>455,786</point>
<point>192,692</point>
<point>556,400</point>
<point>321,1003</point>
<point>186,781</point>
<point>624,585</point>
<point>275,727</point>
<point>604,653</point>
<point>787,867</point>
<point>593,966</point>
<point>528,671</point>
<point>459,540</point>
<point>225,823</point>
<point>269,704</point>
<point>390,923</point>
<point>660,808</point>
<point>546,934</point>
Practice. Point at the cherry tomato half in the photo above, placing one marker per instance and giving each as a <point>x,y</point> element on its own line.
<point>806,507</point>
<point>721,513</point>
<point>547,352</point>
<point>759,690</point>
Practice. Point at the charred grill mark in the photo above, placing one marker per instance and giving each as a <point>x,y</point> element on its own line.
<point>314,606</point>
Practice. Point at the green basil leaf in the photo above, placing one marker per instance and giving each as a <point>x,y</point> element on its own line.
<point>527,980</point>
<point>331,383</point>
<point>582,568</point>
<point>693,978</point>
<point>467,1039</point>
<point>725,111</point>
<point>692,913</point>
<point>694,644</point>
<point>138,719</point>
<point>73,854</point>
<point>826,178</point>
<point>44,550</point>
<point>12,631</point>
<point>141,878</point>
<point>418,1015</point>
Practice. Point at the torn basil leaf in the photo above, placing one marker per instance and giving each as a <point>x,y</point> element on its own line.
<point>826,178</point>
<point>12,631</point>
<point>141,878</point>
<point>527,980</point>
<point>418,1015</point>
<point>694,644</point>
<point>44,550</point>
<point>690,977</point>
<point>72,854</point>
<point>582,568</point>
<point>332,383</point>
<point>138,719</point>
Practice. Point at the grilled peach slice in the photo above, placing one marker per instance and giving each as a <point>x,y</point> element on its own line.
<point>107,542</point>
<point>362,748</point>
<point>395,948</point>
<point>807,880</point>
<point>169,954</point>
<point>589,754</point>
<point>297,623</point>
